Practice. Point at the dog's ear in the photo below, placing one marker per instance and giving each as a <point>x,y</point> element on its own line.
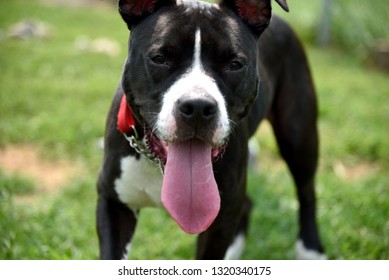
<point>255,13</point>
<point>283,4</point>
<point>133,11</point>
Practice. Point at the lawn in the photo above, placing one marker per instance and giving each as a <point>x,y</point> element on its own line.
<point>54,96</point>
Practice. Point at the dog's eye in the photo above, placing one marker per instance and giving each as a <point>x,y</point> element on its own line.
<point>159,59</point>
<point>234,66</point>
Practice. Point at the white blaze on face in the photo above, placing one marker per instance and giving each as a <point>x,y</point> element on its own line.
<point>184,87</point>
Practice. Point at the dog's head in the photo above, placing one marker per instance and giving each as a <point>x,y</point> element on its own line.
<point>190,76</point>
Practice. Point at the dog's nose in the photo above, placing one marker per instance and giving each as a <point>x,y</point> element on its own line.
<point>197,110</point>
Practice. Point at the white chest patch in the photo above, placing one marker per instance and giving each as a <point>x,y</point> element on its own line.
<point>139,184</point>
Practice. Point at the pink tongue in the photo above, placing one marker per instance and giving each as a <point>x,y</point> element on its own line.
<point>189,189</point>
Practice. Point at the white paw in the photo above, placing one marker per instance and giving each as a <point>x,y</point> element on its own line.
<point>303,253</point>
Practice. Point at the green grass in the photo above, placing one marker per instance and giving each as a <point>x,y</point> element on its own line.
<point>354,25</point>
<point>56,97</point>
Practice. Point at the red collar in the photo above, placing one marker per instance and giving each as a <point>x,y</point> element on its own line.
<point>125,122</point>
<point>126,125</point>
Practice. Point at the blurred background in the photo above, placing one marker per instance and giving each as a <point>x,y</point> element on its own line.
<point>60,63</point>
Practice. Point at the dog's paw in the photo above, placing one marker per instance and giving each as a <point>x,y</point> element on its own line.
<point>302,253</point>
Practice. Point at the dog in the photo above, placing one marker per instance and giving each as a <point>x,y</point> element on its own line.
<point>197,81</point>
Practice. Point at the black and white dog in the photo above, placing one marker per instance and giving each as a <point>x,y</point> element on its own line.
<point>197,81</point>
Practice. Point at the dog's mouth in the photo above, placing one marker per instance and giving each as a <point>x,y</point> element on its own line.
<point>159,148</point>
<point>189,190</point>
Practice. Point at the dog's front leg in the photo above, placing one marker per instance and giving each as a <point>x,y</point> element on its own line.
<point>115,226</point>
